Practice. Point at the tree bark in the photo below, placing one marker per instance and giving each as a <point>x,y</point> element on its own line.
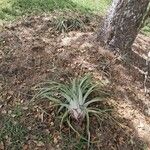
<point>123,22</point>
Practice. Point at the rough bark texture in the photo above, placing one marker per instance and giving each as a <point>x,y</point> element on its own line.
<point>123,22</point>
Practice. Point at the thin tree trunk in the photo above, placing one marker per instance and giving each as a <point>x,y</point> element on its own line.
<point>123,23</point>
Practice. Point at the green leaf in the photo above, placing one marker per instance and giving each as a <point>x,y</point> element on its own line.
<point>52,98</point>
<point>62,106</point>
<point>73,128</point>
<point>90,90</point>
<point>63,117</point>
<point>98,99</point>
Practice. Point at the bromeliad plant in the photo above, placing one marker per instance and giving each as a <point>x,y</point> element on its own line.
<point>63,24</point>
<point>73,100</point>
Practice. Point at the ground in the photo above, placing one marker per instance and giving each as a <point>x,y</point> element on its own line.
<point>32,50</point>
<point>37,48</point>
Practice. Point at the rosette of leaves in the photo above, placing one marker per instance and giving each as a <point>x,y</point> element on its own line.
<point>74,100</point>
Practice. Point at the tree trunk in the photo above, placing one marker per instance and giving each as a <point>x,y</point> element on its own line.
<point>123,23</point>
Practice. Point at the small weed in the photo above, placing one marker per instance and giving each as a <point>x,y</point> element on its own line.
<point>68,24</point>
<point>11,9</point>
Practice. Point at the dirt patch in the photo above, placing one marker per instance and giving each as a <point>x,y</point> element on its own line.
<point>32,52</point>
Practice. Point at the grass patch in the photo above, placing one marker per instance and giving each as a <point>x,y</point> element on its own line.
<point>15,130</point>
<point>99,6</point>
<point>12,133</point>
<point>11,9</point>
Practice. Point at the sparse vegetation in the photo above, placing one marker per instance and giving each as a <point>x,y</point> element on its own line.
<point>12,133</point>
<point>70,110</point>
<point>68,24</point>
